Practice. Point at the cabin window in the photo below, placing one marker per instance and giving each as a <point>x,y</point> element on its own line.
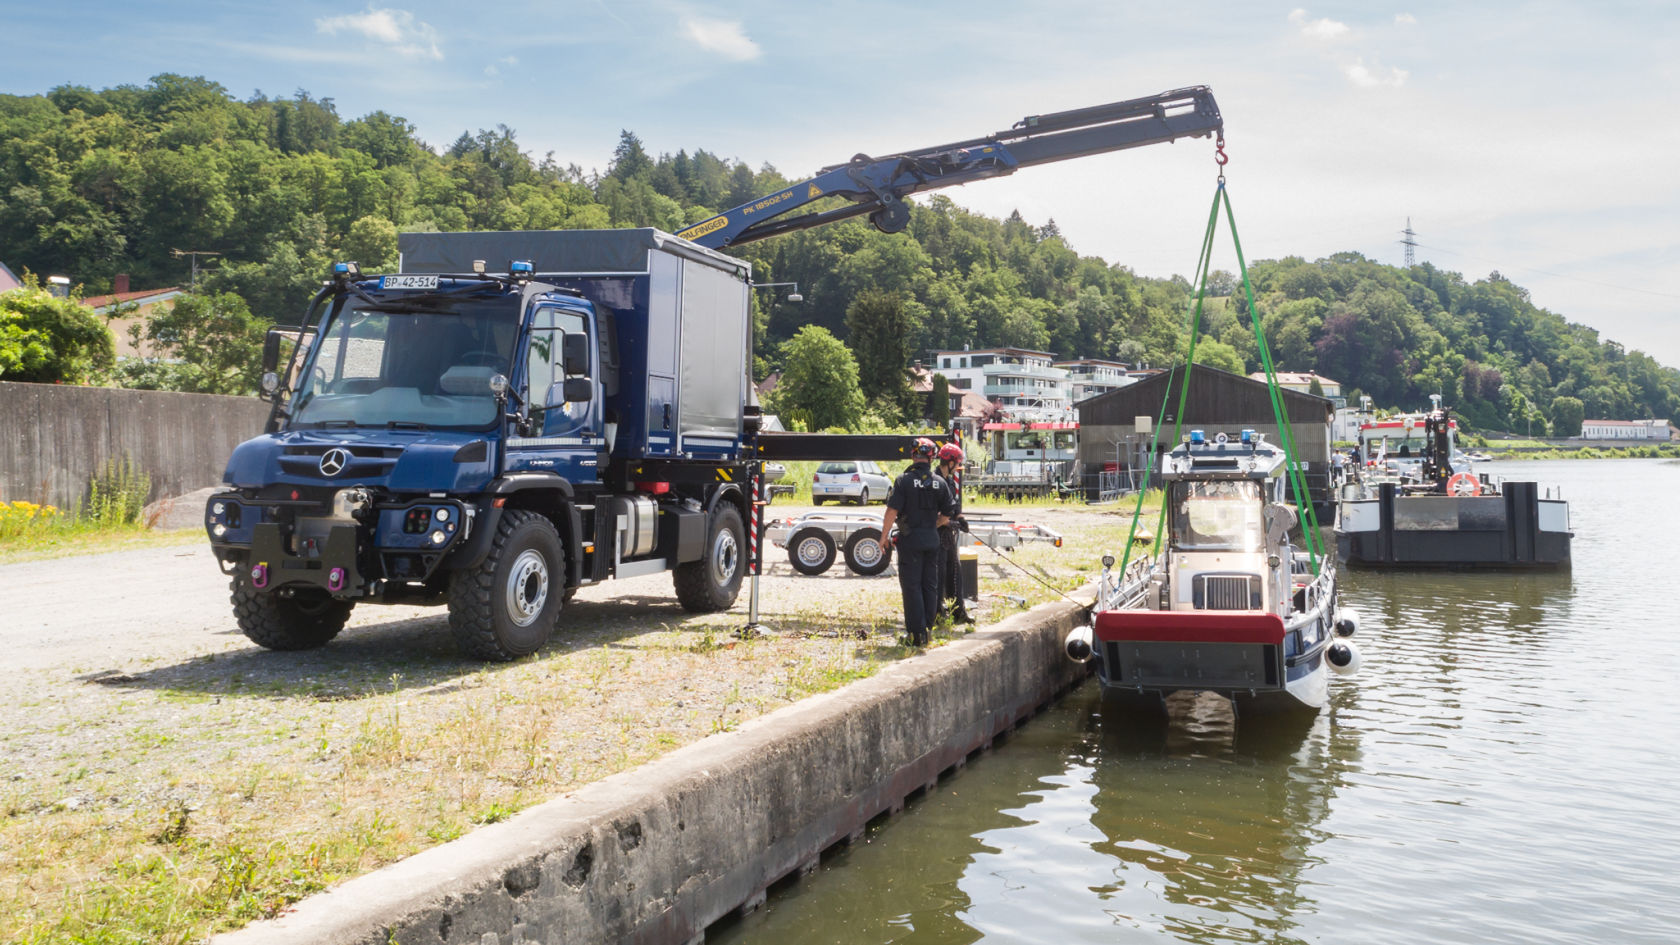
<point>1218,516</point>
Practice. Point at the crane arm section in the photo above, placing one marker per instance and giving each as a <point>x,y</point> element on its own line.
<point>878,186</point>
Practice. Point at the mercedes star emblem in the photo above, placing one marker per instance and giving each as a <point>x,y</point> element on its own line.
<point>334,460</point>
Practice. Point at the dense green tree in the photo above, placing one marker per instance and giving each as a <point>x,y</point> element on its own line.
<point>880,336</point>
<point>939,403</point>
<point>819,385</point>
<point>51,340</point>
<point>1567,415</point>
<point>215,339</point>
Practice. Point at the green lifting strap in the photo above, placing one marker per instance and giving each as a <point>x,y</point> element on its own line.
<point>1193,317</point>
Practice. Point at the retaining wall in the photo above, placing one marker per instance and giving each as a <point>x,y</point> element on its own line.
<point>657,854</point>
<point>54,438</point>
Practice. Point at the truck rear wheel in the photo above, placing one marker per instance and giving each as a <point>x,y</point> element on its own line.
<point>712,583</point>
<point>301,622</point>
<point>506,607</point>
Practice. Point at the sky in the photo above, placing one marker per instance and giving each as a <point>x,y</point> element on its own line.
<point>1533,139</point>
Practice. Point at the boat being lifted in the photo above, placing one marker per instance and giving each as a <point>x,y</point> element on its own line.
<point>1230,604</point>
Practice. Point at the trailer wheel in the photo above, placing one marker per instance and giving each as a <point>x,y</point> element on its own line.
<point>712,583</point>
<point>866,553</point>
<point>506,607</point>
<point>811,550</point>
<point>303,622</point>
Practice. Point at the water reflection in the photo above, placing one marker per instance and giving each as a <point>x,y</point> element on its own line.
<point>1212,823</point>
<point>1501,771</point>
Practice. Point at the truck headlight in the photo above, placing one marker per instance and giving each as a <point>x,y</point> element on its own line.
<point>438,537</point>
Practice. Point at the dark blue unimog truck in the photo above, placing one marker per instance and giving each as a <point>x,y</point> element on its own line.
<point>515,415</point>
<point>509,418</point>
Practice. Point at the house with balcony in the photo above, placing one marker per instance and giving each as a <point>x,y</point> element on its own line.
<point>1022,383</point>
<point>1089,377</point>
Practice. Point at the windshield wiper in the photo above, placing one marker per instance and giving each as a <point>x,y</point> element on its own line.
<point>405,425</point>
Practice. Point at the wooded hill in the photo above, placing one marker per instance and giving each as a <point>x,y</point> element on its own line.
<point>96,183</point>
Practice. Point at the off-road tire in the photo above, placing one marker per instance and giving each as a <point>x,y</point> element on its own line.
<point>712,583</point>
<point>866,553</point>
<point>507,606</point>
<point>811,550</point>
<point>303,622</point>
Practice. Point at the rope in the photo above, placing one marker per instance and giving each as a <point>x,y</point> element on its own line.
<point>1280,412</point>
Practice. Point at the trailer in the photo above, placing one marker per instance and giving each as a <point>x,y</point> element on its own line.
<point>815,539</point>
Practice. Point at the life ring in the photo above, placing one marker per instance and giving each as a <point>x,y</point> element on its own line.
<point>1464,484</point>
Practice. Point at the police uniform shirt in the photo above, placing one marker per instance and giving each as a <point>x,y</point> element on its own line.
<point>920,497</point>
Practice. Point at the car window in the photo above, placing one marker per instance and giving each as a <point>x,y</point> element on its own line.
<point>835,469</point>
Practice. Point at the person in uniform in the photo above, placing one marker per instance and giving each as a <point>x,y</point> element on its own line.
<point>950,577</point>
<point>919,504</point>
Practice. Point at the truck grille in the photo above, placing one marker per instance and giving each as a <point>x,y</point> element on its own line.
<point>1226,592</point>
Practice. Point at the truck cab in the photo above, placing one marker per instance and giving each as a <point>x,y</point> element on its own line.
<point>492,442</point>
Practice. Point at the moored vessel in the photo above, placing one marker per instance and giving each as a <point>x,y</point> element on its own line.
<point>1431,509</point>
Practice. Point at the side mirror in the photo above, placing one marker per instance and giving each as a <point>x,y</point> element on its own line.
<point>271,346</point>
<point>579,390</point>
<point>574,353</point>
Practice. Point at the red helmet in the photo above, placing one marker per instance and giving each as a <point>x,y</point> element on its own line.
<point>952,452</point>
<point>924,448</point>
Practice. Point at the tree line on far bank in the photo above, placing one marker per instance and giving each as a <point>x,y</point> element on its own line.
<point>94,183</point>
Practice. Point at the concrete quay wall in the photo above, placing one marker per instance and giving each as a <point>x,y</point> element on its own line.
<point>657,854</point>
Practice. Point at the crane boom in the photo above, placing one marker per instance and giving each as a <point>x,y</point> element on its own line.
<point>878,186</point>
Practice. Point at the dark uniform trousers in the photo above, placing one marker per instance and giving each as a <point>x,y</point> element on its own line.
<point>918,578</point>
<point>919,497</point>
<point>950,578</point>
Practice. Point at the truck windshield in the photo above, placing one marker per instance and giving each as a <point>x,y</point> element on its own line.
<point>380,366</point>
<point>1218,516</point>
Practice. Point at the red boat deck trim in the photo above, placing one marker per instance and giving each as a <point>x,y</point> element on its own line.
<point>1188,626</point>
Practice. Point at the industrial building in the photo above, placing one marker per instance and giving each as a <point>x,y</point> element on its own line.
<point>1116,428</point>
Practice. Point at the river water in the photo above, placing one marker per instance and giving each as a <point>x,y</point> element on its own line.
<point>1505,768</point>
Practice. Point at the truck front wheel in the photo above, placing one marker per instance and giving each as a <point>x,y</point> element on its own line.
<point>301,622</point>
<point>506,607</point>
<point>712,583</point>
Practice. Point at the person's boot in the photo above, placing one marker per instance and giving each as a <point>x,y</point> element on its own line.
<point>960,615</point>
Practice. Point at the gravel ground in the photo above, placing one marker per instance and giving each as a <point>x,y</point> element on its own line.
<point>138,726</point>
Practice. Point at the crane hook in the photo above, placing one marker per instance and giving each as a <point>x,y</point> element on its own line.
<point>1219,156</point>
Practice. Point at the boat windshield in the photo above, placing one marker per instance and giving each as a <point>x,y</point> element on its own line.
<point>431,368</point>
<point>1218,516</point>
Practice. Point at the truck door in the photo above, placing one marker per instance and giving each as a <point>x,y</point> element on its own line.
<point>564,435</point>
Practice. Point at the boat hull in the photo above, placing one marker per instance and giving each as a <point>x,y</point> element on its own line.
<point>1250,658</point>
<point>1516,530</point>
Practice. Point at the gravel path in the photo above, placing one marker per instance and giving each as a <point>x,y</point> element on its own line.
<point>137,723</point>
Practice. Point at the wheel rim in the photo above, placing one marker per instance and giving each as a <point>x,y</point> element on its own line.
<point>811,552</point>
<point>527,587</point>
<point>867,552</point>
<point>726,557</point>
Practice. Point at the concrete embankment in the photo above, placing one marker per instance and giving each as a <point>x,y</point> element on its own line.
<point>657,854</point>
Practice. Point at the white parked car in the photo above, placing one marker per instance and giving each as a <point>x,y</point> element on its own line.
<point>860,482</point>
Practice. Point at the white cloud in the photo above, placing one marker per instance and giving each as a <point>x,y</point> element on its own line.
<point>495,68</point>
<point>723,37</point>
<point>1404,19</point>
<point>397,29</point>
<point>1324,29</point>
<point>1367,77</point>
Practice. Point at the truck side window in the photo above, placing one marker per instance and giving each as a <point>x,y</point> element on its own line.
<point>543,368</point>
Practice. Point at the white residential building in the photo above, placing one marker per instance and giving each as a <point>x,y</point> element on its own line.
<point>1088,377</point>
<point>1624,429</point>
<point>1023,382</point>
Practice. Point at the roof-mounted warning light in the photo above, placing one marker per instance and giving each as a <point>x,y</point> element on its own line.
<point>1248,437</point>
<point>1197,437</point>
<point>521,270</point>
